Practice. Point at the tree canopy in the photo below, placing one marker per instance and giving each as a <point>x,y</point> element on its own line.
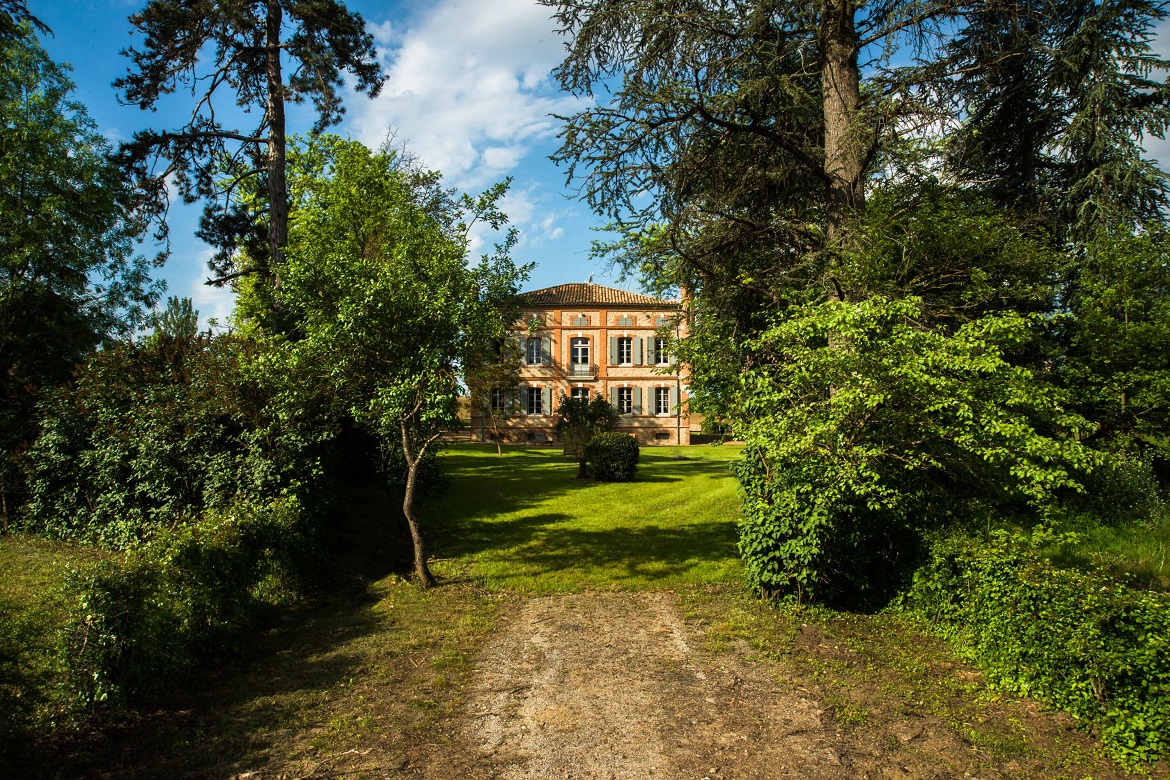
<point>212,48</point>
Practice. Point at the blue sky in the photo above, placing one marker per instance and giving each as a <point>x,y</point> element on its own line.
<point>469,90</point>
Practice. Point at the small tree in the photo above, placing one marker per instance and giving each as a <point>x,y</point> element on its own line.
<point>578,421</point>
<point>386,308</point>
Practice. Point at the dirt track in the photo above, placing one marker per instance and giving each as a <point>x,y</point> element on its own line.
<point>608,686</point>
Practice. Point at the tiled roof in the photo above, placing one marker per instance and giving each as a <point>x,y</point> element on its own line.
<point>582,294</point>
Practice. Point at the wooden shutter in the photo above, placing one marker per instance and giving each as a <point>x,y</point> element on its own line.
<point>523,342</point>
<point>672,359</point>
<point>546,407</point>
<point>613,351</point>
<point>637,400</point>
<point>637,346</point>
<point>674,401</point>
<point>651,353</point>
<point>613,397</point>
<point>546,351</point>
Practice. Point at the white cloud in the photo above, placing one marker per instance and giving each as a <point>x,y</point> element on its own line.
<point>211,302</point>
<point>468,87</point>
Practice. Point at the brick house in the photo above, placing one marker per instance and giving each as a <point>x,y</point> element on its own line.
<point>589,340</point>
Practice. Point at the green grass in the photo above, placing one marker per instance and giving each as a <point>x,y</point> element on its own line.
<point>1140,551</point>
<point>522,522</point>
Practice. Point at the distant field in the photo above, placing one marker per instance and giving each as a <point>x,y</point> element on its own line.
<point>522,521</point>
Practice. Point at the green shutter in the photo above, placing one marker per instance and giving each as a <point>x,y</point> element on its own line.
<point>523,342</point>
<point>546,351</point>
<point>674,401</point>
<point>637,400</point>
<point>672,360</point>
<point>613,351</point>
<point>546,407</point>
<point>637,348</point>
<point>613,397</point>
<point>651,353</point>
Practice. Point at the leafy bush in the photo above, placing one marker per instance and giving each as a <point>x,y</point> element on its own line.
<point>612,457</point>
<point>138,623</point>
<point>164,429</point>
<point>1072,637</point>
<point>865,426</point>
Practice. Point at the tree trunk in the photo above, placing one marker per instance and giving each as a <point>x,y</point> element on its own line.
<point>582,469</point>
<point>425,578</point>
<point>277,187</point>
<point>845,139</point>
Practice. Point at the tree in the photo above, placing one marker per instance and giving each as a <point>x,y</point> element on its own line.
<point>387,309</point>
<point>212,47</point>
<point>69,278</point>
<point>578,421</point>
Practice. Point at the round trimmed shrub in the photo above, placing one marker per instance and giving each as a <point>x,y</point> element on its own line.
<point>612,457</point>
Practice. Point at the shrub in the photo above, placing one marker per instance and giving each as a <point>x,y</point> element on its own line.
<point>1072,637</point>
<point>612,457</point>
<point>865,425</point>
<point>139,623</point>
<point>155,431</point>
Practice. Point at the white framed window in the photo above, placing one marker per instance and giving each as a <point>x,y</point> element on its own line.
<point>534,352</point>
<point>625,400</point>
<point>625,348</point>
<point>662,400</point>
<point>498,400</point>
<point>579,351</point>
<point>580,392</point>
<point>661,356</point>
<point>533,400</point>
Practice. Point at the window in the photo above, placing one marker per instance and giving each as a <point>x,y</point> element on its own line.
<point>625,400</point>
<point>662,400</point>
<point>579,351</point>
<point>625,347</point>
<point>498,400</point>
<point>580,392</point>
<point>532,400</point>
<point>661,356</point>
<point>533,358</point>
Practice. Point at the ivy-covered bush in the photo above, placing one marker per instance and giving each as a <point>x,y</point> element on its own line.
<point>865,425</point>
<point>1072,637</point>
<point>140,622</point>
<point>612,457</point>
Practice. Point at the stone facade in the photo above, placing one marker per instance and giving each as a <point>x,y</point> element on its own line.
<point>587,338</point>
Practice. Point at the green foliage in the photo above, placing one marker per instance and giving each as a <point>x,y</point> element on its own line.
<point>612,457</point>
<point>864,426</point>
<point>1092,646</point>
<point>384,305</point>
<point>69,277</point>
<point>579,421</point>
<point>1117,365</point>
<point>140,623</point>
<point>155,431</point>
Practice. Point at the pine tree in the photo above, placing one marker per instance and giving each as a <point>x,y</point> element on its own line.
<point>240,46</point>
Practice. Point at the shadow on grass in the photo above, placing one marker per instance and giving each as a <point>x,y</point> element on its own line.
<point>213,724</point>
<point>541,544</point>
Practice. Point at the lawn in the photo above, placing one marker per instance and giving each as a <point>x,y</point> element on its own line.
<point>522,522</point>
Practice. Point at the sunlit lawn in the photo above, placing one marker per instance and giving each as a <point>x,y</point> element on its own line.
<point>523,522</point>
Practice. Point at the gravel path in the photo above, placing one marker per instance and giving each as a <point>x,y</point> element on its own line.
<point>608,685</point>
